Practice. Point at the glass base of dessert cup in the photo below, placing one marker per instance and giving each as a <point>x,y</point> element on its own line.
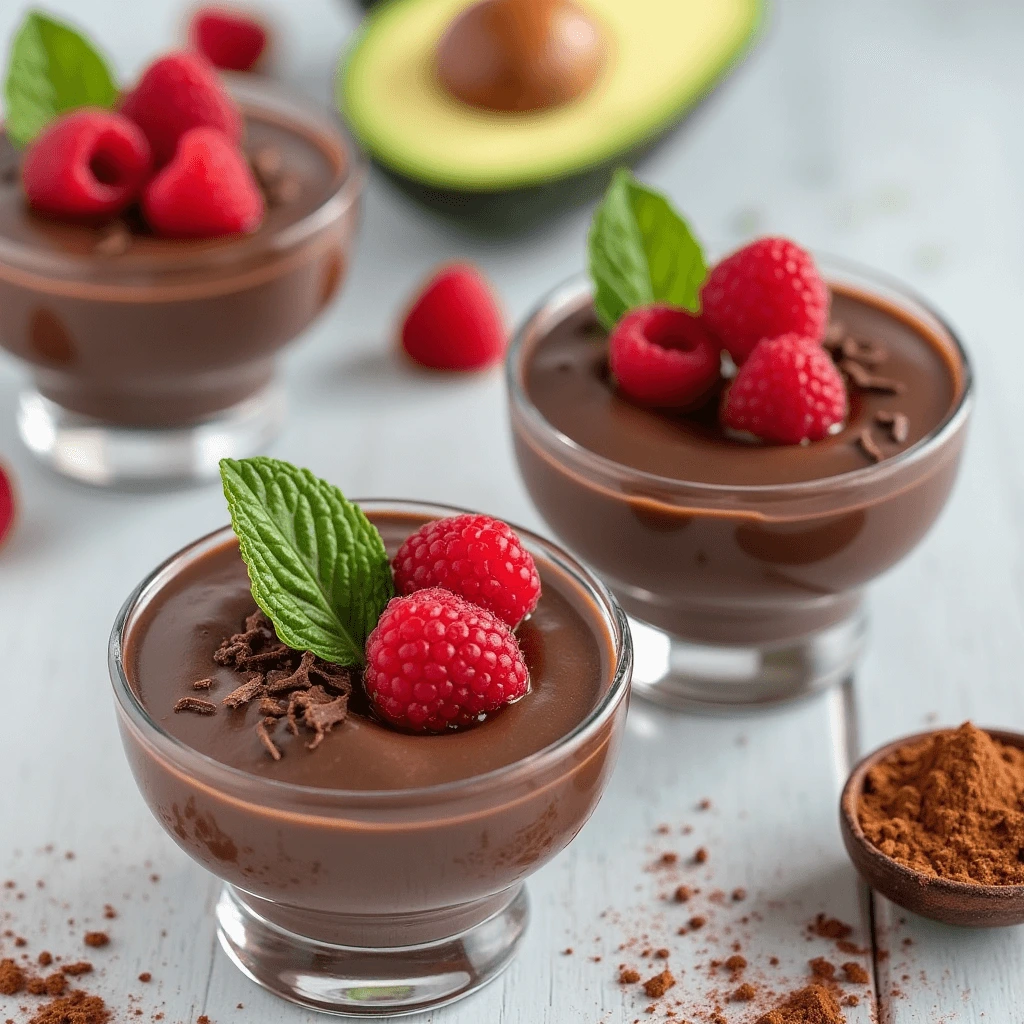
<point>687,676</point>
<point>361,981</point>
<point>103,454</point>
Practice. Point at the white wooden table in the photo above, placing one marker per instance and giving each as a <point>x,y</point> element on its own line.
<point>890,131</point>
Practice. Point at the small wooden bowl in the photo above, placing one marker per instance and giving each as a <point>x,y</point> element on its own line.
<point>959,903</point>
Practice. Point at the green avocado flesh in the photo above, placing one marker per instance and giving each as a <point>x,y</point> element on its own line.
<point>664,56</point>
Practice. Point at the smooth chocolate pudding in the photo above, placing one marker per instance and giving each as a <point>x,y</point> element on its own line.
<point>718,540</point>
<point>567,379</point>
<point>142,331</point>
<point>353,854</point>
<point>172,645</point>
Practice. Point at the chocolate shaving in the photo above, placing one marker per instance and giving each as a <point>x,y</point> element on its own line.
<point>868,381</point>
<point>868,446</point>
<point>264,737</point>
<point>321,718</point>
<point>267,163</point>
<point>870,353</point>
<point>835,335</point>
<point>246,692</point>
<point>194,704</point>
<point>897,422</point>
<point>202,684</point>
<point>115,240</point>
<point>237,649</point>
<point>273,708</point>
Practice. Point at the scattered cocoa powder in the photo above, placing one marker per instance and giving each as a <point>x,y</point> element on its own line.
<point>97,939</point>
<point>45,958</point>
<point>830,927</point>
<point>657,986</point>
<point>77,968</point>
<point>628,976</point>
<point>744,993</point>
<point>145,977</point>
<point>697,922</point>
<point>202,1019</point>
<point>77,1008</point>
<point>811,1005</point>
<point>12,978</point>
<point>682,894</point>
<point>822,968</point>
<point>855,974</point>
<point>700,855</point>
<point>668,858</point>
<point>950,806</point>
<point>735,964</point>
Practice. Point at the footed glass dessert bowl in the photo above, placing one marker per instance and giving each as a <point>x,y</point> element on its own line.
<point>741,564</point>
<point>372,871</point>
<point>151,357</point>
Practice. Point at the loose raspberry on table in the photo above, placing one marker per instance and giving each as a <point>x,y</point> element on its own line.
<point>664,357</point>
<point>787,391</point>
<point>207,190</point>
<point>455,323</point>
<point>480,558</point>
<point>227,38</point>
<point>176,93</point>
<point>89,163</point>
<point>436,662</point>
<point>768,288</point>
<point>7,504</point>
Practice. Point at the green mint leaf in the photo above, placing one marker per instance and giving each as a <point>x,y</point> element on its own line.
<point>317,565</point>
<point>642,251</point>
<point>52,69</point>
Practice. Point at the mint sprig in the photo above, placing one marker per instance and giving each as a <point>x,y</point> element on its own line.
<point>317,565</point>
<point>52,69</point>
<point>642,251</point>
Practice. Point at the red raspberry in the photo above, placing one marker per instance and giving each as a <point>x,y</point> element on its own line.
<point>87,163</point>
<point>663,357</point>
<point>769,288</point>
<point>477,557</point>
<point>228,39</point>
<point>176,93</point>
<point>436,662</point>
<point>6,504</point>
<point>787,391</point>
<point>455,323</point>
<point>205,191</point>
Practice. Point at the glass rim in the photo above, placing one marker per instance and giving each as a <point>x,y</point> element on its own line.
<point>566,296</point>
<point>612,615</point>
<point>92,276</point>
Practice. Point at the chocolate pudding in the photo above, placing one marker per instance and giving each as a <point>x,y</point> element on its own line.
<point>458,819</point>
<point>719,540</point>
<point>139,331</point>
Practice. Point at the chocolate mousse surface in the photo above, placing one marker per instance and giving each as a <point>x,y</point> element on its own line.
<point>565,644</point>
<point>306,169</point>
<point>567,379</point>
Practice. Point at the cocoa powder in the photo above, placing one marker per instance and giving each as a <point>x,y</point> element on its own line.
<point>950,806</point>
<point>811,1005</point>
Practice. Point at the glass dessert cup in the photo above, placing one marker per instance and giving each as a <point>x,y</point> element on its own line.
<point>150,364</point>
<point>737,595</point>
<point>306,909</point>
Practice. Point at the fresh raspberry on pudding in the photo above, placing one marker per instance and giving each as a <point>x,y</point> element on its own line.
<point>455,323</point>
<point>176,93</point>
<point>768,288</point>
<point>436,662</point>
<point>475,556</point>
<point>89,163</point>
<point>664,357</point>
<point>205,191</point>
<point>228,39</point>
<point>787,391</point>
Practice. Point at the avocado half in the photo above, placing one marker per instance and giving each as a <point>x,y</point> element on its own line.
<point>505,171</point>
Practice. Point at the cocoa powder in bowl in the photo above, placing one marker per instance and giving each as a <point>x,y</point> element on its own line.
<point>950,805</point>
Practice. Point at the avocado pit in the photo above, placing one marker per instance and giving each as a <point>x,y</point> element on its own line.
<point>515,56</point>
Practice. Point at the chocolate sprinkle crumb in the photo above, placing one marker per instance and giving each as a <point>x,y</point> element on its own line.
<point>264,738</point>
<point>897,422</point>
<point>868,381</point>
<point>869,447</point>
<point>194,704</point>
<point>202,684</point>
<point>870,353</point>
<point>245,693</point>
